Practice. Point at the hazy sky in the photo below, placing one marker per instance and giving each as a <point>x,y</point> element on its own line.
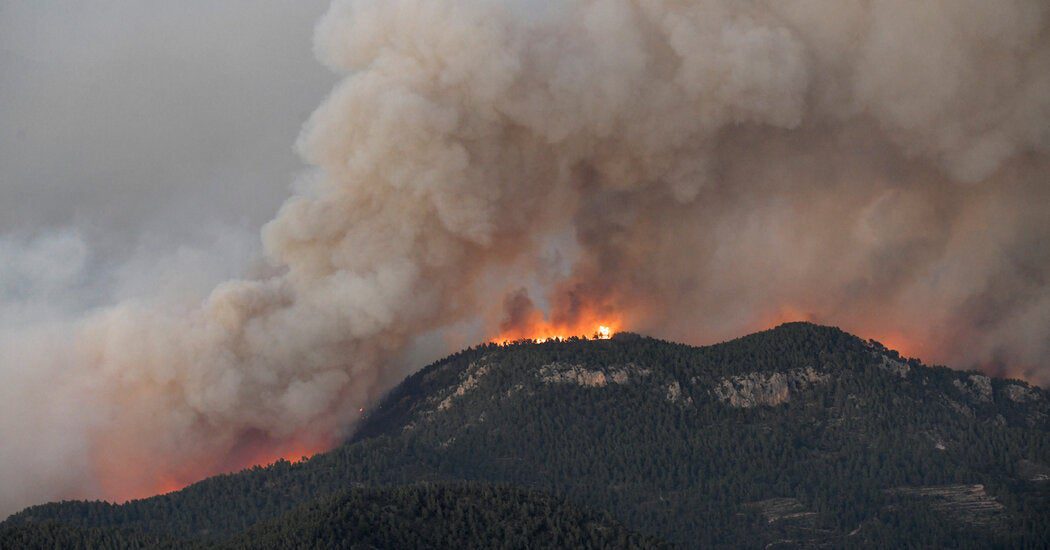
<point>703,169</point>
<point>148,123</point>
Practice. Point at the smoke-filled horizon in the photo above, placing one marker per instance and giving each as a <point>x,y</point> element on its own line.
<point>695,170</point>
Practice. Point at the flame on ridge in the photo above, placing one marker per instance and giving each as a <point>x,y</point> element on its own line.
<point>543,331</point>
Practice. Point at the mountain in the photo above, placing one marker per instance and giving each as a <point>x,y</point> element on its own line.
<point>802,435</point>
<point>420,515</point>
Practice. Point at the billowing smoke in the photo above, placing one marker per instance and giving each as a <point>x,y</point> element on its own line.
<point>696,169</point>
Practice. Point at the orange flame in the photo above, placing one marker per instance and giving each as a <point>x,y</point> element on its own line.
<point>541,330</point>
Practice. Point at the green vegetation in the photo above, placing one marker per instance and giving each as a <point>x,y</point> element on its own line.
<point>52,534</point>
<point>441,516</point>
<point>647,432</point>
<point>462,515</point>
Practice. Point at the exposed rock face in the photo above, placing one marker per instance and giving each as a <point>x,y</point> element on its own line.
<point>900,368</point>
<point>562,373</point>
<point>1020,394</point>
<point>976,387</point>
<point>674,394</point>
<point>762,388</point>
<point>966,503</point>
<point>886,362</point>
<point>793,525</point>
<point>470,378</point>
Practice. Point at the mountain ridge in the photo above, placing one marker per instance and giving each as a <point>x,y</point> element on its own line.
<point>799,435</point>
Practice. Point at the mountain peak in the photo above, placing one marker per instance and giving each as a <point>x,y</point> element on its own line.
<point>801,432</point>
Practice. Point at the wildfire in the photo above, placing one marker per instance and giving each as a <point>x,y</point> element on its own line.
<point>543,331</point>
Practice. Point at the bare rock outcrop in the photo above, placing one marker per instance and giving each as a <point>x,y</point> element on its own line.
<point>895,366</point>
<point>764,388</point>
<point>967,503</point>
<point>469,379</point>
<point>675,395</point>
<point>977,387</point>
<point>1020,394</point>
<point>563,373</point>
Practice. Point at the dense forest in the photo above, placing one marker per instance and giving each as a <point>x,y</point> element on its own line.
<point>422,515</point>
<point>798,436</point>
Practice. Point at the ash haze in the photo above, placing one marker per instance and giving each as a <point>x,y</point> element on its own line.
<point>694,169</point>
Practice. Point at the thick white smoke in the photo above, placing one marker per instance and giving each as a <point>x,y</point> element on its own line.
<point>697,168</point>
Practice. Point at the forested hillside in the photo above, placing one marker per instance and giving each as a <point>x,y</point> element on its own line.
<point>801,435</point>
<point>460,515</point>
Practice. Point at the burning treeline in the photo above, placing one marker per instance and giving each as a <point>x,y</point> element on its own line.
<point>689,169</point>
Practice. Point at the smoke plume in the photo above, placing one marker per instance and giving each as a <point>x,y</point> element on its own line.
<point>694,169</point>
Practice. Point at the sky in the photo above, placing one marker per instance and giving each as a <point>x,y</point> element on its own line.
<point>142,146</point>
<point>149,124</point>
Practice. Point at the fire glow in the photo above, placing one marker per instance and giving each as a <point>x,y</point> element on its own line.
<point>116,484</point>
<point>545,332</point>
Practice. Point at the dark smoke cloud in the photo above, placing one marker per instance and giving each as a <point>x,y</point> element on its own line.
<point>702,168</point>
